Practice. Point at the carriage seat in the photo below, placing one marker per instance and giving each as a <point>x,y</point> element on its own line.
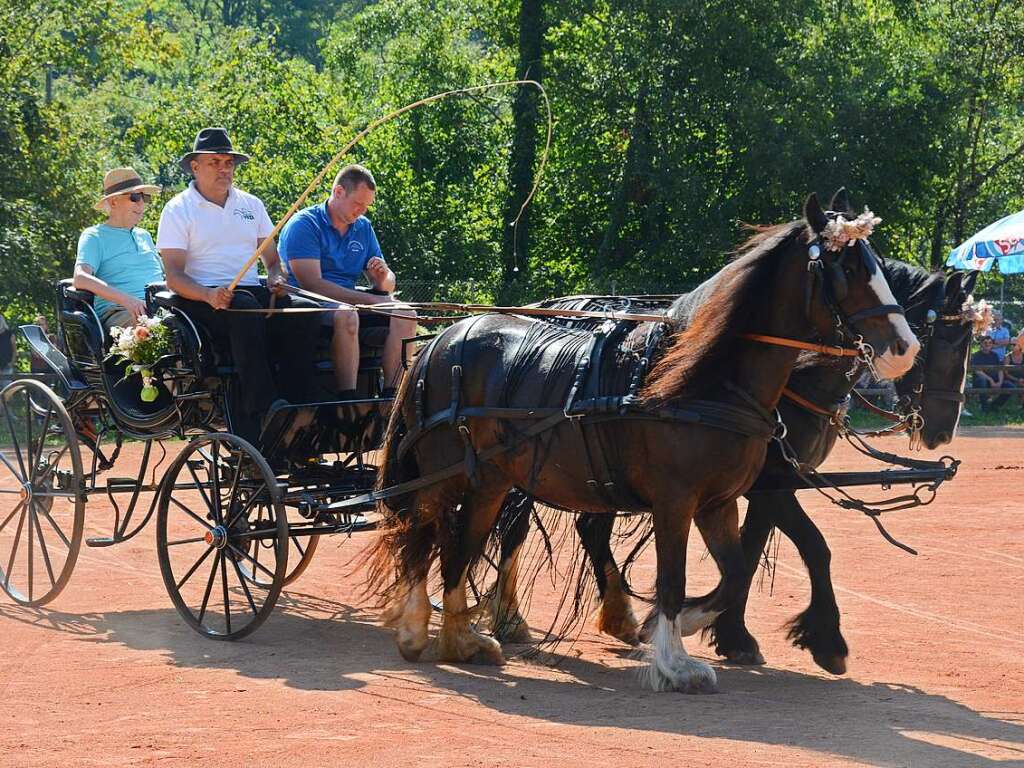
<point>159,296</point>
<point>87,342</point>
<point>371,343</point>
<point>214,355</point>
<point>84,335</point>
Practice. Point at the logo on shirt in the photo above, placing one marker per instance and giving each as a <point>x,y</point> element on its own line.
<point>244,213</point>
<point>356,248</point>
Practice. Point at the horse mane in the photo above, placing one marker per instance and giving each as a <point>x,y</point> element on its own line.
<point>913,286</point>
<point>724,304</point>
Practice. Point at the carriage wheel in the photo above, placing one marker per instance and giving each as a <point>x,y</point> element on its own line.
<point>42,511</point>
<point>220,509</point>
<point>300,551</point>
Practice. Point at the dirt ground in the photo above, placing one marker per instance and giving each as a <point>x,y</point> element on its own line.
<point>109,675</point>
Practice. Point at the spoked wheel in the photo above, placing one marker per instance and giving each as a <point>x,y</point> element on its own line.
<point>220,511</point>
<point>42,511</point>
<point>300,554</point>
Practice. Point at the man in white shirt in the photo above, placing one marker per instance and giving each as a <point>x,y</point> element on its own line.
<point>206,235</point>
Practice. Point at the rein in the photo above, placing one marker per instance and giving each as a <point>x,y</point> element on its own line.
<point>823,349</point>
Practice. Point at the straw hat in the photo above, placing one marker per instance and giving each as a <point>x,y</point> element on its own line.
<point>121,181</point>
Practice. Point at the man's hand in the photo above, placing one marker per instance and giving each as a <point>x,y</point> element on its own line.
<point>219,298</point>
<point>278,285</point>
<point>136,308</point>
<point>377,269</point>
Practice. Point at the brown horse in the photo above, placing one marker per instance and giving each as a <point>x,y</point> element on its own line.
<point>695,445</point>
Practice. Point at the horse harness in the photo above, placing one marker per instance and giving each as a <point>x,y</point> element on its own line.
<point>585,407</point>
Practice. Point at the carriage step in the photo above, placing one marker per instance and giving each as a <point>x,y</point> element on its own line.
<point>103,541</point>
<point>122,484</point>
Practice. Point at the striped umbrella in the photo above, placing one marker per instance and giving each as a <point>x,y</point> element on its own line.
<point>1002,241</point>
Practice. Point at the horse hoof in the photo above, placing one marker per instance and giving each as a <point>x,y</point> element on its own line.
<point>745,658</point>
<point>513,632</point>
<point>834,664</point>
<point>626,632</point>
<point>491,657</point>
<point>685,675</point>
<point>409,651</point>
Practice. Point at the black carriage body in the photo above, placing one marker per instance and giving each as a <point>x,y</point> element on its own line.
<point>239,497</point>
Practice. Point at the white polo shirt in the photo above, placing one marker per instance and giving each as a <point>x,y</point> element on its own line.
<point>218,241</point>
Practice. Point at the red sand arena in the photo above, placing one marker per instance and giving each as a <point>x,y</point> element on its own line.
<point>109,675</point>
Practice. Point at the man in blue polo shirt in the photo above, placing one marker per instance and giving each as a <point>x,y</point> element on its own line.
<point>327,247</point>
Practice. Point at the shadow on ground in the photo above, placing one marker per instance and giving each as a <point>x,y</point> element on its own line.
<point>866,722</point>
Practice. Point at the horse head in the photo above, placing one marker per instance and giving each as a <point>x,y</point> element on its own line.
<point>946,323</point>
<point>847,291</point>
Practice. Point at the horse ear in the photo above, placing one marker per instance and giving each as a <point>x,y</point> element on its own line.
<point>950,293</point>
<point>968,284</point>
<point>840,201</point>
<point>814,215</point>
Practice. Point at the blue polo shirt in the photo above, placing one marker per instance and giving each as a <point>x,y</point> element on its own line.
<point>309,234</point>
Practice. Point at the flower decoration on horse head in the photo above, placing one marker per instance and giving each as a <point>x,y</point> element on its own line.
<point>978,313</point>
<point>140,346</point>
<point>841,231</point>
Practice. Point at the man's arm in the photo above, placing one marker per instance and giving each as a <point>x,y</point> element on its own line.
<point>381,276</point>
<point>308,275</point>
<point>183,285</point>
<point>85,280</point>
<point>276,277</point>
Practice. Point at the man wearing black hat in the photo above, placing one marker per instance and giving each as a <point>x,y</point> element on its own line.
<point>206,235</point>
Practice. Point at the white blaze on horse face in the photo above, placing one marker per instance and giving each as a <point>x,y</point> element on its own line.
<point>888,364</point>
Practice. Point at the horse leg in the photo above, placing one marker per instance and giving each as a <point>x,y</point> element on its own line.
<point>729,633</point>
<point>616,616</point>
<point>501,603</point>
<point>457,641</point>
<point>671,667</point>
<point>409,612</point>
<point>719,526</point>
<point>817,628</point>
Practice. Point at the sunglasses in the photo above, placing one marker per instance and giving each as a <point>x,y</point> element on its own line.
<point>136,196</point>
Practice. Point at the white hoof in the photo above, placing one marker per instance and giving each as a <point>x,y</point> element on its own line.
<point>672,668</point>
<point>682,673</point>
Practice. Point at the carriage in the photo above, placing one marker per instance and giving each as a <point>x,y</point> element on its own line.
<point>235,523</point>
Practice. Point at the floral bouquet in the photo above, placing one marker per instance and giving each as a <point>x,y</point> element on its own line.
<point>140,346</point>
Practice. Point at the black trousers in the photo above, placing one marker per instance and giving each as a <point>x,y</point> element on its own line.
<point>258,346</point>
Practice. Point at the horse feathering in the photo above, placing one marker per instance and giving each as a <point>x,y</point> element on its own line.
<point>705,343</point>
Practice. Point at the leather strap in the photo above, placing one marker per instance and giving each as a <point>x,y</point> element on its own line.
<point>881,309</point>
<point>803,402</point>
<point>822,349</point>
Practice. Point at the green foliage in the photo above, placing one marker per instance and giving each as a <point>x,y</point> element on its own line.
<point>676,120</point>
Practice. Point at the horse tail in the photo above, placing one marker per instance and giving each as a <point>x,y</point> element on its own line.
<point>403,552</point>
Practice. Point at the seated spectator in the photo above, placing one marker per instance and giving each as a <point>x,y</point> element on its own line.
<point>327,247</point>
<point>1014,373</point>
<point>991,379</point>
<point>116,259</point>
<point>1000,335</point>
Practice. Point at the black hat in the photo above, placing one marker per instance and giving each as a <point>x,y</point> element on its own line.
<point>210,141</point>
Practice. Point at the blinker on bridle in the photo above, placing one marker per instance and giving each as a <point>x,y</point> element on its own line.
<point>845,324</point>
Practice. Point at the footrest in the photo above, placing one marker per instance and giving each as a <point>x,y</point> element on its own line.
<point>122,484</point>
<point>102,541</point>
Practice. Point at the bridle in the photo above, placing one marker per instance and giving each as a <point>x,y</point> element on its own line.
<point>910,404</point>
<point>828,281</point>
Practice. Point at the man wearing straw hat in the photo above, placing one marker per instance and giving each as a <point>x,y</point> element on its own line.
<point>206,236</point>
<point>116,259</point>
